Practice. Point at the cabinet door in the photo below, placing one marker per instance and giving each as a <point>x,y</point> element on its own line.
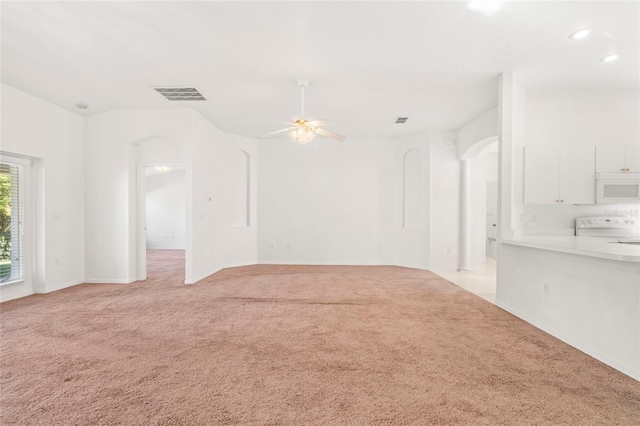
<point>632,158</point>
<point>541,174</point>
<point>577,174</point>
<point>610,158</point>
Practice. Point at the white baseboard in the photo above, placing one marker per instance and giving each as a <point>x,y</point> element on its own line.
<point>17,295</point>
<point>203,276</point>
<point>296,262</point>
<point>237,265</point>
<point>629,370</point>
<point>61,286</point>
<point>108,281</point>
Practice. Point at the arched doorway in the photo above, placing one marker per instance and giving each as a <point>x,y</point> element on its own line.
<point>153,157</point>
<point>478,202</point>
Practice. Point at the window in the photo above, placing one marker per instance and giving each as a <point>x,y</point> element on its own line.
<point>11,222</point>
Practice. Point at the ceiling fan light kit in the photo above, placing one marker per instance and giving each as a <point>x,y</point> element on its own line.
<point>304,129</point>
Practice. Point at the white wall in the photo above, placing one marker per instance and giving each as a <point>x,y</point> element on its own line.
<point>582,117</point>
<point>578,117</point>
<point>216,243</point>
<point>241,242</point>
<point>115,144</point>
<point>412,240</point>
<point>444,208</point>
<point>512,111</point>
<point>207,200</point>
<point>484,169</point>
<point>118,144</point>
<point>483,127</point>
<point>318,202</point>
<point>165,208</point>
<point>330,202</point>
<point>34,128</point>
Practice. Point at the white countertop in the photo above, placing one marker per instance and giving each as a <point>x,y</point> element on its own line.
<point>599,247</point>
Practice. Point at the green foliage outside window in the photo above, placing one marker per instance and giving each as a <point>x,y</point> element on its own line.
<point>5,216</point>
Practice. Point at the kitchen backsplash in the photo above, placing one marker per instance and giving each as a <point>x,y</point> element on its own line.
<point>541,219</point>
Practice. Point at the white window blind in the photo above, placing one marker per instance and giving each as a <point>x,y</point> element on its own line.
<point>11,223</point>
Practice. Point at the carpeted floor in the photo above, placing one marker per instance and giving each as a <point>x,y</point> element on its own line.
<point>292,345</point>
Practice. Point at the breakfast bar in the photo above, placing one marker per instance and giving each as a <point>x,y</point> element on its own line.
<point>584,291</point>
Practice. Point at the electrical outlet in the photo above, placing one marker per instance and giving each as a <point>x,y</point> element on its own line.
<point>272,247</point>
<point>534,218</point>
<point>546,289</point>
<point>57,262</point>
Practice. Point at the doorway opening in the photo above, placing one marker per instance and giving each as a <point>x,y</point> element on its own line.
<point>478,220</point>
<point>163,212</point>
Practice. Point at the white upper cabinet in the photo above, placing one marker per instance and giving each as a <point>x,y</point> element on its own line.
<point>541,174</point>
<point>559,174</point>
<point>577,174</point>
<point>618,158</point>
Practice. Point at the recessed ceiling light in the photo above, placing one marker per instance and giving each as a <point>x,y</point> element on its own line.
<point>487,7</point>
<point>609,58</point>
<point>580,33</point>
<point>82,106</point>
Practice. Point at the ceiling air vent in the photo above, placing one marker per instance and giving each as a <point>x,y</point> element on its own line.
<point>180,93</point>
<point>401,120</point>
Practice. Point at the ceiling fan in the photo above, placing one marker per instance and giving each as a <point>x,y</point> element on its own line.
<point>304,129</point>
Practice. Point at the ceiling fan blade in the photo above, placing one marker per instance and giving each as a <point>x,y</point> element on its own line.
<point>289,123</point>
<point>323,122</point>
<point>331,135</point>
<point>266,135</point>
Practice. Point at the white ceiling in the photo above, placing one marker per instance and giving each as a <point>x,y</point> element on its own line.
<point>368,62</point>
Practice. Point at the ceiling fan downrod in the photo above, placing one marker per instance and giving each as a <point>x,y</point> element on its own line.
<point>302,83</point>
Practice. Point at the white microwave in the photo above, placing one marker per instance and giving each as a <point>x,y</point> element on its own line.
<point>617,188</point>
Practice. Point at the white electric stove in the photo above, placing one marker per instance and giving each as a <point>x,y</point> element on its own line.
<point>624,230</point>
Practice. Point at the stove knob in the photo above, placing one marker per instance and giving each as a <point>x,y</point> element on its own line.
<point>589,222</point>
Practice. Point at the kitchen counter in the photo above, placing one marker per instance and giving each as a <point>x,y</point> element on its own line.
<point>598,247</point>
<point>583,290</point>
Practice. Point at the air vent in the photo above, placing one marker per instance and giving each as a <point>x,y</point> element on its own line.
<point>180,93</point>
<point>401,120</point>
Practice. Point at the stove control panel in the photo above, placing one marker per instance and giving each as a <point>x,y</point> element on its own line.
<point>607,222</point>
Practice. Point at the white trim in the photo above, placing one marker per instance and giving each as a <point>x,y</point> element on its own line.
<point>108,281</point>
<point>203,276</point>
<point>237,265</point>
<point>630,370</point>
<point>22,160</point>
<point>8,283</point>
<point>61,286</point>
<point>295,262</point>
<point>28,292</point>
<point>166,248</point>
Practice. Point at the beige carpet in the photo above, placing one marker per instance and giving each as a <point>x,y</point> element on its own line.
<point>292,345</point>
